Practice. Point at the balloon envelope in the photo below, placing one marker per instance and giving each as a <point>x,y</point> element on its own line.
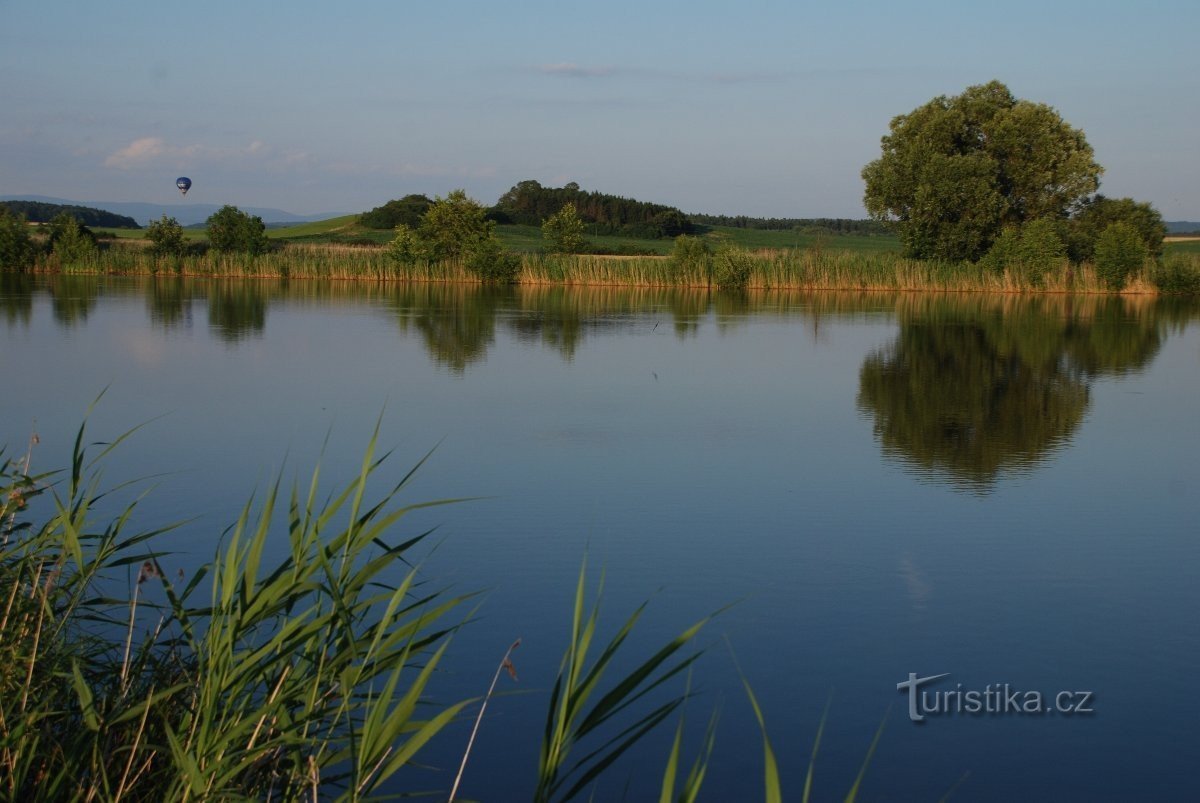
<point>184,184</point>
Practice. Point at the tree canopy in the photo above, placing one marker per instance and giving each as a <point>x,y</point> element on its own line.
<point>956,171</point>
<point>231,229</point>
<point>406,211</point>
<point>530,203</point>
<point>41,212</point>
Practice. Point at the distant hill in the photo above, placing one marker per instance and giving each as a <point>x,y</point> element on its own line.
<point>43,212</point>
<point>1182,227</point>
<point>187,214</point>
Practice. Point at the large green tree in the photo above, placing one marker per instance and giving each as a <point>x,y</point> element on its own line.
<point>956,171</point>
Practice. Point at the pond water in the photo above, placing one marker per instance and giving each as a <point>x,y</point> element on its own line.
<point>997,488</point>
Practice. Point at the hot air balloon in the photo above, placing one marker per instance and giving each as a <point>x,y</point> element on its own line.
<point>184,184</point>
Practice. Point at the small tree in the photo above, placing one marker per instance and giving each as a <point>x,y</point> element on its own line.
<point>407,247</point>
<point>691,255</point>
<point>70,241</point>
<point>1120,252</point>
<point>166,237</point>
<point>16,246</point>
<point>455,225</point>
<point>563,231</point>
<point>489,261</point>
<point>1030,251</point>
<point>230,229</point>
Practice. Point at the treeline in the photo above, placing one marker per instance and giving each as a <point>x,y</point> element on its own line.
<point>832,225</point>
<point>40,212</point>
<point>529,204</point>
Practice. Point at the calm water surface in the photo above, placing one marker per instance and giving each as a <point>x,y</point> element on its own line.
<point>1000,489</point>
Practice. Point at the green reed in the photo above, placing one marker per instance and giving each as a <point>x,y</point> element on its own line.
<point>814,268</point>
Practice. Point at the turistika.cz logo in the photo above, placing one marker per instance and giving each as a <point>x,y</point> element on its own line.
<point>995,699</point>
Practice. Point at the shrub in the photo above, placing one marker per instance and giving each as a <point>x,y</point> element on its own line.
<point>732,268</point>
<point>690,255</point>
<point>1120,251</point>
<point>70,241</point>
<point>1028,252</point>
<point>490,262</point>
<point>166,237</point>
<point>407,247</point>
<point>1178,274</point>
<point>16,247</point>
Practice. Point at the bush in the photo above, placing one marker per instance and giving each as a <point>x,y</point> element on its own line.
<point>166,237</point>
<point>70,241</point>
<point>490,262</point>
<point>1028,252</point>
<point>1178,274</point>
<point>690,255</point>
<point>230,229</point>
<point>732,268</point>
<point>16,246</point>
<point>407,248</point>
<point>1120,252</point>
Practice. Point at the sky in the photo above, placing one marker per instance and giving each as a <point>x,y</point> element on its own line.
<point>756,108</point>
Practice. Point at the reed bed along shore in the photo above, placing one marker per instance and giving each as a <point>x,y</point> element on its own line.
<point>769,269</point>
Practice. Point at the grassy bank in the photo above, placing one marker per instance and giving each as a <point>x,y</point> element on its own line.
<point>814,268</point>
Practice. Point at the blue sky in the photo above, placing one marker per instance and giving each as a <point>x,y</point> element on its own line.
<point>757,108</point>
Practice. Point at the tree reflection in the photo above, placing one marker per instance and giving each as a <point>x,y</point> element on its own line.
<point>16,297</point>
<point>170,301</point>
<point>72,298</point>
<point>457,322</point>
<point>237,309</point>
<point>972,390</point>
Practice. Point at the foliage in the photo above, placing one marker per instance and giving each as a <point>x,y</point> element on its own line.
<point>1177,274</point>
<point>1120,252</point>
<point>232,230</point>
<point>69,241</point>
<point>835,226</point>
<point>529,203</point>
<point>578,709</point>
<point>407,248</point>
<point>406,211</point>
<point>732,268</point>
<point>166,237</point>
<point>957,170</point>
<point>1097,213</point>
<point>1028,251</point>
<point>488,260</point>
<point>563,231</point>
<point>454,226</point>
<point>1000,390</point>
<point>287,681</point>
<point>691,256</point>
<point>16,246</point>
<point>41,212</point>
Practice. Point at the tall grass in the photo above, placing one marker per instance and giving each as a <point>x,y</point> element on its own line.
<point>816,268</point>
<point>292,680</point>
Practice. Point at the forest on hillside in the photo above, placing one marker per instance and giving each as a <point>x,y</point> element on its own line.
<point>40,212</point>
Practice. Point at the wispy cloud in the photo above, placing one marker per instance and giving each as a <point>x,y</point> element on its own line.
<point>571,70</point>
<point>151,151</point>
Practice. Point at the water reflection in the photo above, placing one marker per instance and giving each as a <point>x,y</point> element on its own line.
<point>16,298</point>
<point>72,298</point>
<point>456,322</point>
<point>973,389</point>
<point>236,310</point>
